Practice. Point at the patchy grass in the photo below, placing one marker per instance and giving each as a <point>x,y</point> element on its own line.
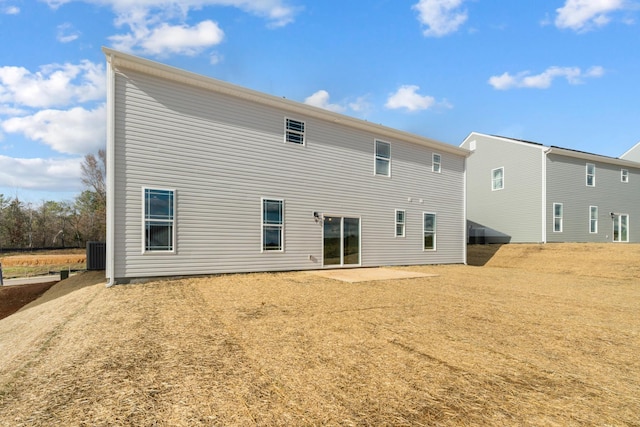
<point>513,343</point>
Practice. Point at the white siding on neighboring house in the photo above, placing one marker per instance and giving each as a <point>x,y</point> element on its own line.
<point>550,193</point>
<point>512,213</point>
<point>633,154</point>
<point>223,154</point>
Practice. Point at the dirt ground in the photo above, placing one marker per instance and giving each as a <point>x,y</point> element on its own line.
<point>13,298</point>
<point>539,335</point>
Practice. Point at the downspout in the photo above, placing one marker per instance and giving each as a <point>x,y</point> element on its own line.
<point>110,253</point>
<point>464,210</point>
<point>544,194</point>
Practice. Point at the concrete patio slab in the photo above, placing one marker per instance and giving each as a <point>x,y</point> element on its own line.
<point>354,275</point>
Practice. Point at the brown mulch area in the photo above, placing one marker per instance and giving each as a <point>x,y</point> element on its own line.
<point>519,342</point>
<point>13,298</point>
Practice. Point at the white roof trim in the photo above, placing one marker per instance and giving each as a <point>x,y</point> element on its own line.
<point>119,60</point>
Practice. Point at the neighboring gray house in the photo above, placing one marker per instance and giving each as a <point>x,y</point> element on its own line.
<point>632,154</point>
<point>207,177</point>
<point>521,191</point>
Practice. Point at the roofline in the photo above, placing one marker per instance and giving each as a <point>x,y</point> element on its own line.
<point>637,145</point>
<point>562,151</point>
<point>126,61</point>
<point>593,157</point>
<point>507,139</point>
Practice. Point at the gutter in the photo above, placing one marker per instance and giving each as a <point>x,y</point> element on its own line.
<point>110,259</point>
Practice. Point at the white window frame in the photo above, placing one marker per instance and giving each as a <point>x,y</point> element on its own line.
<point>590,175</point>
<point>295,134</point>
<point>494,180</point>
<point>624,175</point>
<point>593,220</point>
<point>265,225</point>
<point>401,223</point>
<point>436,163</point>
<point>170,219</point>
<point>381,158</point>
<point>558,217</point>
<point>433,232</point>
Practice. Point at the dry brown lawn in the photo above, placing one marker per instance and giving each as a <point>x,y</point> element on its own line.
<point>539,335</point>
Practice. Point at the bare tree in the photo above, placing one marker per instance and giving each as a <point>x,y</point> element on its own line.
<point>94,174</point>
<point>91,204</point>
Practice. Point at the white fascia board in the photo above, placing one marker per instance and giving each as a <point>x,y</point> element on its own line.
<point>119,60</point>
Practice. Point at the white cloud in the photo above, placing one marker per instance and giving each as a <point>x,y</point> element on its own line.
<point>53,85</point>
<point>321,99</point>
<point>215,58</point>
<point>11,10</point>
<point>407,97</point>
<point>165,38</point>
<point>361,105</point>
<point>40,174</point>
<point>158,27</point>
<point>74,131</point>
<point>441,17</point>
<point>583,15</point>
<point>66,33</point>
<point>276,11</point>
<point>573,75</point>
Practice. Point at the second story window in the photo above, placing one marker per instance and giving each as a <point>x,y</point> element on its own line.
<point>591,175</point>
<point>624,175</point>
<point>383,158</point>
<point>436,163</point>
<point>294,131</point>
<point>497,179</point>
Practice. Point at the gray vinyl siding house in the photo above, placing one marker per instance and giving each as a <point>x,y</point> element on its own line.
<point>206,177</point>
<point>525,192</point>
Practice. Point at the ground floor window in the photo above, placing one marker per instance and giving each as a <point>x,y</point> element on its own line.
<point>159,220</point>
<point>429,230</point>
<point>400,222</point>
<point>272,224</point>
<point>593,219</point>
<point>557,217</point>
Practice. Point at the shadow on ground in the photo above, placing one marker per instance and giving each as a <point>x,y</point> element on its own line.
<point>479,255</point>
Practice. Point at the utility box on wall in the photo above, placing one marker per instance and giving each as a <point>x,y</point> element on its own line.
<point>96,255</point>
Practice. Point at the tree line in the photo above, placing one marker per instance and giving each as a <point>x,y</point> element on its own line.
<point>58,224</point>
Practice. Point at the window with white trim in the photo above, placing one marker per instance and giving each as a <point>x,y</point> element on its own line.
<point>436,163</point>
<point>383,158</point>
<point>272,225</point>
<point>497,179</point>
<point>400,222</point>
<point>624,175</point>
<point>159,220</point>
<point>557,217</point>
<point>429,231</point>
<point>591,175</point>
<point>593,219</point>
<point>294,131</point>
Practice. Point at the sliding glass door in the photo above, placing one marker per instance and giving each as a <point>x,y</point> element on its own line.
<point>341,241</point>
<point>620,228</point>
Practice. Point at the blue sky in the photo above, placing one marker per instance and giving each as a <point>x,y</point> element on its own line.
<point>564,72</point>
